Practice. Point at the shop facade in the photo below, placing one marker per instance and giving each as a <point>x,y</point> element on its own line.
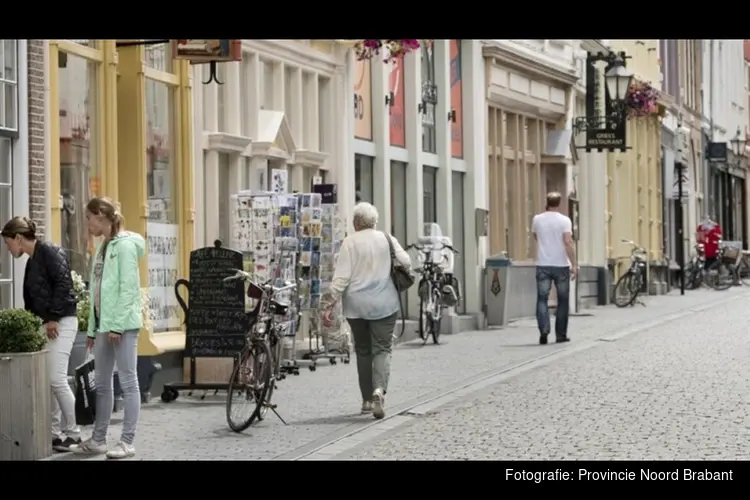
<point>417,150</point>
<point>14,159</point>
<point>119,120</point>
<point>274,124</point>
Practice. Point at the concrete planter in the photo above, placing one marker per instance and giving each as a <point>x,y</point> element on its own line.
<point>25,407</point>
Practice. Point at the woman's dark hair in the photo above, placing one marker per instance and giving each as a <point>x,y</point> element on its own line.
<point>20,225</point>
<point>107,208</point>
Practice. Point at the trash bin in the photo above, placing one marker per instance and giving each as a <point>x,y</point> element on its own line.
<point>496,280</point>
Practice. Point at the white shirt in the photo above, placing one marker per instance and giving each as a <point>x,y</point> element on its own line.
<point>363,275</point>
<point>549,228</point>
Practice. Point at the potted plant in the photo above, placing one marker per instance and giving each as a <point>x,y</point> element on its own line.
<point>642,100</point>
<point>390,49</point>
<point>78,353</point>
<point>25,397</point>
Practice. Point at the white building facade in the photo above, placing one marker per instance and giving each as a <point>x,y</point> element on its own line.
<point>417,146</point>
<point>14,160</point>
<point>281,109</point>
<point>725,108</point>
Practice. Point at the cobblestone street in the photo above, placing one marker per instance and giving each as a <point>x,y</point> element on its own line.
<point>677,389</point>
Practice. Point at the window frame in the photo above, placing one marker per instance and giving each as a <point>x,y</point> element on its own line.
<point>9,82</point>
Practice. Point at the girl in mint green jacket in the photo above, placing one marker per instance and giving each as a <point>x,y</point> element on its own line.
<point>114,322</point>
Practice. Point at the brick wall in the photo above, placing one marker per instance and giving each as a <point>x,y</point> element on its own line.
<point>37,174</point>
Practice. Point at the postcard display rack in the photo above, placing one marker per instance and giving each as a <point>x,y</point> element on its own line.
<point>320,234</point>
<point>264,230</point>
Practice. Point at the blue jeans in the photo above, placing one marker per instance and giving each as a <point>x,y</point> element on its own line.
<point>545,276</point>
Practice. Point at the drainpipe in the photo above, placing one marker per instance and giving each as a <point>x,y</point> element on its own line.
<point>707,193</point>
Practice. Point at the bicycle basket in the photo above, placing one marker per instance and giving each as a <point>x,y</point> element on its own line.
<point>731,254</point>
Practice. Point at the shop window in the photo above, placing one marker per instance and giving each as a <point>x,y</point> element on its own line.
<point>6,212</point>
<point>79,171</point>
<point>225,196</point>
<point>8,85</point>
<point>429,100</point>
<point>160,152</point>
<point>398,201</point>
<point>459,267</point>
<point>363,178</point>
<point>159,57</point>
<point>429,181</point>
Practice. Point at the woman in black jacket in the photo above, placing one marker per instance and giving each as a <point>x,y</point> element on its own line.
<point>48,293</point>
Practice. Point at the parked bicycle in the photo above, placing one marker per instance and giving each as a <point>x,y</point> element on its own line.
<point>695,270</point>
<point>728,268</point>
<point>631,284</point>
<point>436,290</point>
<point>259,366</point>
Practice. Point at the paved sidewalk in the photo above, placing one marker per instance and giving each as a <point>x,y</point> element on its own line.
<point>320,406</point>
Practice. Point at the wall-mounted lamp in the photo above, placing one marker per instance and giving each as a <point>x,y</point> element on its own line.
<point>452,116</point>
<point>738,148</point>
<point>422,107</point>
<point>390,99</point>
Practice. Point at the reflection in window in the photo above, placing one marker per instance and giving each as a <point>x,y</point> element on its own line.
<point>363,179</point>
<point>429,179</point>
<point>429,99</point>
<point>160,152</point>
<point>224,198</point>
<point>8,85</point>
<point>6,212</point>
<point>159,56</point>
<point>79,172</point>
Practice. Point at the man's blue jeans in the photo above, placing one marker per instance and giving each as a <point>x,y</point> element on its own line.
<point>545,276</point>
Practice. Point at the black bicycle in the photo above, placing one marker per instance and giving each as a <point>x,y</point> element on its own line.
<point>258,369</point>
<point>723,271</point>
<point>436,290</point>
<point>630,284</point>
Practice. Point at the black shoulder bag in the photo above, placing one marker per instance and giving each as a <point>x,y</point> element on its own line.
<point>402,278</point>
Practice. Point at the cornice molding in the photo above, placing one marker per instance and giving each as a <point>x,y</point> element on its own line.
<point>294,54</point>
<point>530,64</point>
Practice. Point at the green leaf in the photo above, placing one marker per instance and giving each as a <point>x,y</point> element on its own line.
<point>20,331</point>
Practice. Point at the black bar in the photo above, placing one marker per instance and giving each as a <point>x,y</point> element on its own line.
<point>678,221</point>
<point>148,42</point>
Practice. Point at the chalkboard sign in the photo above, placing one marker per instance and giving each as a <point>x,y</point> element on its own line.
<point>216,320</point>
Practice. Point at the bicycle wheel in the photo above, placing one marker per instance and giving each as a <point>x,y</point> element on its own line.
<point>425,296</point>
<point>623,294</point>
<point>275,370</point>
<point>692,277</point>
<point>248,386</point>
<point>743,272</point>
<point>720,277</point>
<point>435,315</point>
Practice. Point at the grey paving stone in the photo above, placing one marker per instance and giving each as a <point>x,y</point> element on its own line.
<point>318,404</point>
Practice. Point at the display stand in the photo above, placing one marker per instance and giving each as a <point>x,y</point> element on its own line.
<point>322,232</point>
<point>264,230</point>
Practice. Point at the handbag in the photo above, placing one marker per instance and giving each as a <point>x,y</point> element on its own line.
<point>402,278</point>
<point>85,392</point>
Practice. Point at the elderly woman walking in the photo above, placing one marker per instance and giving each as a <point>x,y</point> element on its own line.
<point>370,302</point>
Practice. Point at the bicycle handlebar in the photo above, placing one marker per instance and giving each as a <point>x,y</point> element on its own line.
<point>245,276</point>
<point>422,248</point>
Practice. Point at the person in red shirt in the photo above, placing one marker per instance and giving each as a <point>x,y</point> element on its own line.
<point>709,233</point>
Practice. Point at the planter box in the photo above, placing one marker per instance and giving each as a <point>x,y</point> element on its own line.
<point>25,407</point>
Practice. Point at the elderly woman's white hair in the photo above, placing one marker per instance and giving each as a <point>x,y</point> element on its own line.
<point>365,216</point>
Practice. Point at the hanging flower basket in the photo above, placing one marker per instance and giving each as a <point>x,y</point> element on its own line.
<point>642,101</point>
<point>388,49</point>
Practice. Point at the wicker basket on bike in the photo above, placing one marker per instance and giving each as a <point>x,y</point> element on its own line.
<point>730,253</point>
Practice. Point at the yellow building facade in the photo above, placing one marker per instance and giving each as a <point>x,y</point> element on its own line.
<point>120,125</point>
<point>634,179</point>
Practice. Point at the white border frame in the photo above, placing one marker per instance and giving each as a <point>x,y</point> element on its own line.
<point>21,161</point>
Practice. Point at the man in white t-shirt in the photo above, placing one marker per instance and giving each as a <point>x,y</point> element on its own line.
<point>555,262</point>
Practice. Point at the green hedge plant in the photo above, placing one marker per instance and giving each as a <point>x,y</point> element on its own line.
<point>20,332</point>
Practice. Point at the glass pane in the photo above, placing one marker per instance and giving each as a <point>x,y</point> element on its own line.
<point>363,178</point>
<point>87,43</point>
<point>224,198</point>
<point>160,152</point>
<point>159,57</point>
<point>79,172</point>
<point>6,295</point>
<point>10,99</point>
<point>162,230</point>
<point>6,162</point>
<point>6,212</point>
<point>10,68</point>
<point>2,104</point>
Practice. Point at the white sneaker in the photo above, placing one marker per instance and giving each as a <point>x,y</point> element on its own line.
<point>89,447</point>
<point>121,450</point>
<point>378,400</point>
<point>366,407</point>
